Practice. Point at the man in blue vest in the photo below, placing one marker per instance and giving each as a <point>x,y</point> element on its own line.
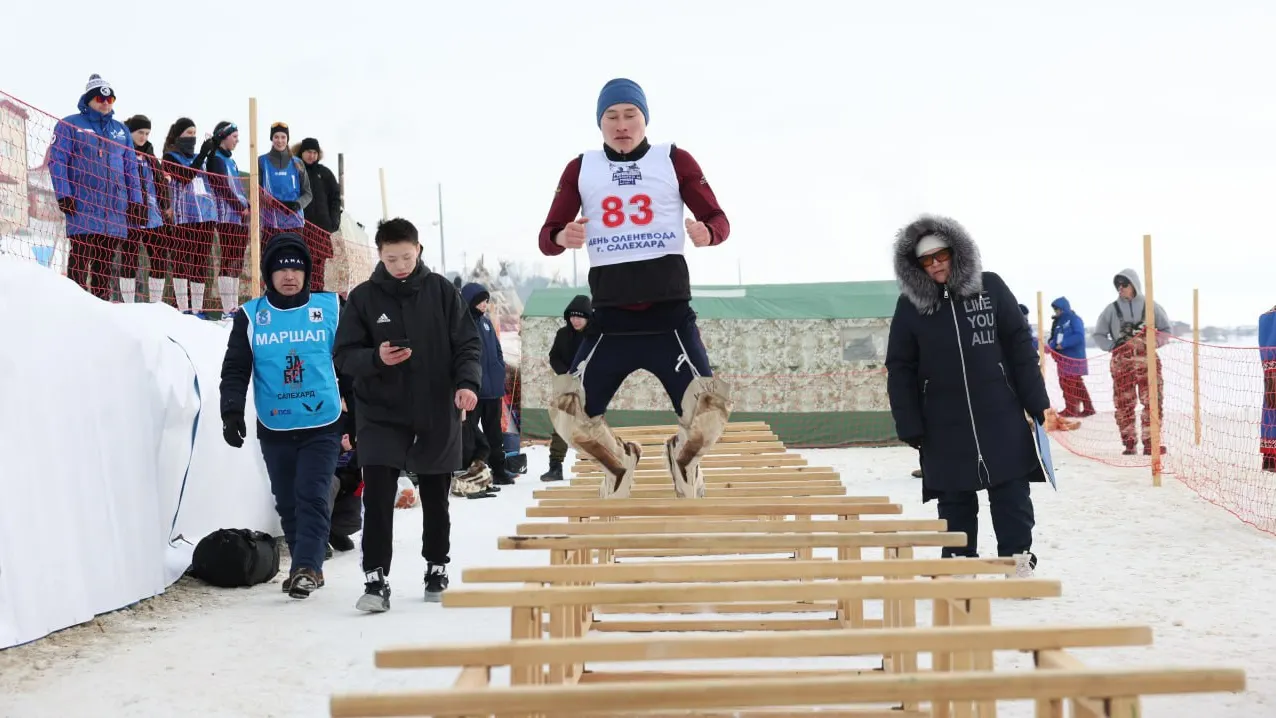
<point>283,342</point>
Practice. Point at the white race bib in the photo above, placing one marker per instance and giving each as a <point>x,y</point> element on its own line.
<point>634,208</point>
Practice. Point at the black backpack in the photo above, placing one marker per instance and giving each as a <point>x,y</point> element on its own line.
<point>232,558</point>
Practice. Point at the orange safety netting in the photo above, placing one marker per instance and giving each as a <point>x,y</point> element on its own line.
<point>77,196</point>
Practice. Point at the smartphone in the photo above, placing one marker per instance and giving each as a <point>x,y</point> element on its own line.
<point>401,343</point>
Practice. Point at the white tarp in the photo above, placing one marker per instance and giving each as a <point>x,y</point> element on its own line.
<point>110,449</point>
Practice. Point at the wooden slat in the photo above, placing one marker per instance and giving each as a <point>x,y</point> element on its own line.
<point>804,644</point>
<point>731,608</point>
<point>556,508</point>
<point>714,482</point>
<point>771,507</point>
<point>957,589</point>
<point>709,526</point>
<point>558,700</point>
<point>654,462</point>
<point>727,471</point>
<point>661,478</point>
<point>736,541</point>
<point>736,571</point>
<point>711,491</point>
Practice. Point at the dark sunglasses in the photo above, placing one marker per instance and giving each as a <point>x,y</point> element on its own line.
<point>942,255</point>
<point>1120,282</point>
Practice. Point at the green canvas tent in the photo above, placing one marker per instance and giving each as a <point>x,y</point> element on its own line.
<point>806,358</point>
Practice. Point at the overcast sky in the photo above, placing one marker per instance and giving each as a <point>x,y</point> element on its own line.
<point>1058,136</point>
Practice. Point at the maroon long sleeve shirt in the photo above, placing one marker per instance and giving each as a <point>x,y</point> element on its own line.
<point>637,285</point>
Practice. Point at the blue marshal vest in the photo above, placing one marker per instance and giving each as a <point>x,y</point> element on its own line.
<point>294,380</point>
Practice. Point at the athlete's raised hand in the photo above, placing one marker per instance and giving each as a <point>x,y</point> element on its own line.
<point>573,235</point>
<point>699,233</point>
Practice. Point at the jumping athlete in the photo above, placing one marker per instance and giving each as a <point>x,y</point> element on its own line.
<point>630,194</point>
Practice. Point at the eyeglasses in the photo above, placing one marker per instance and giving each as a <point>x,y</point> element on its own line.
<point>942,255</point>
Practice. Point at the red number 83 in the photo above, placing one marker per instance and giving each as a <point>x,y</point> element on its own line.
<point>614,214</point>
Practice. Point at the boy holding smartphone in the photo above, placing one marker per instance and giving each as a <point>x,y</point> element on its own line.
<point>406,341</point>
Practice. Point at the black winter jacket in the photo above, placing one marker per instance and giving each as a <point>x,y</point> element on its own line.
<point>415,398</point>
<point>493,384</point>
<point>963,376</point>
<point>567,340</point>
<point>324,210</point>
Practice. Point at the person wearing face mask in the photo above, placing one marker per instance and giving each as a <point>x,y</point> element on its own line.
<point>407,341</point>
<point>147,230</point>
<point>1121,331</point>
<point>94,170</point>
<point>283,342</point>
<point>192,214</point>
<point>232,213</point>
<point>962,380</point>
<point>285,186</point>
<point>631,194</point>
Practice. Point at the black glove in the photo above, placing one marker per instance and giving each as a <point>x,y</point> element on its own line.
<point>294,206</point>
<point>67,205</point>
<point>208,147</point>
<point>913,441</point>
<point>233,429</point>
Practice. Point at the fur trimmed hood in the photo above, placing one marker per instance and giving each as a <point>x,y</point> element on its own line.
<point>966,277</point>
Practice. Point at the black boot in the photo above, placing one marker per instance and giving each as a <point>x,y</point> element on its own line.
<point>340,542</point>
<point>555,472</point>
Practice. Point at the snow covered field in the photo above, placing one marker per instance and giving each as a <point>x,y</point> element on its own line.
<point>1125,552</point>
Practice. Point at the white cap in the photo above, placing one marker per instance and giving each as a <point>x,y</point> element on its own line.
<point>930,243</point>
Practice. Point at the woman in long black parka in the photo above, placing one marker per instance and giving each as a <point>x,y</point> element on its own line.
<point>963,380</point>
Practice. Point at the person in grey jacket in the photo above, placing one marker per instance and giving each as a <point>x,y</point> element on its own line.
<point>1120,330</point>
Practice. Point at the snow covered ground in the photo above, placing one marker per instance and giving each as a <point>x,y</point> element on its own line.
<point>1125,552</point>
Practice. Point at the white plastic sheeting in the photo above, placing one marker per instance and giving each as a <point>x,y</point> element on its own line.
<point>110,452</point>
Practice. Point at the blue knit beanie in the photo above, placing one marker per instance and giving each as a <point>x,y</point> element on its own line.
<point>618,91</point>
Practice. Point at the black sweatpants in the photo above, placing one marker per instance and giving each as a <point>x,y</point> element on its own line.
<point>487,443</point>
<point>1012,518</point>
<point>630,340</point>
<point>380,487</point>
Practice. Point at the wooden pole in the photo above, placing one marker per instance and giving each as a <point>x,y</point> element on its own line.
<point>1150,334</point>
<point>1041,337</point>
<point>1196,364</point>
<point>385,206</point>
<point>341,178</point>
<point>442,249</point>
<point>254,202</point>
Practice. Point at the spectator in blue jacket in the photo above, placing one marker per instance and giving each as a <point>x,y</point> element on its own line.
<point>491,392</point>
<point>192,214</point>
<point>286,184</point>
<point>232,216</point>
<point>149,233</point>
<point>94,171</point>
<point>1067,341</point>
